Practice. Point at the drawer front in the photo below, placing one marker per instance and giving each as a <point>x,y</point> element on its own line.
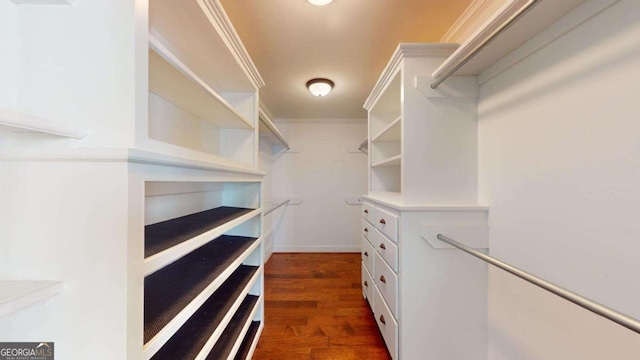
<point>387,223</point>
<point>387,249</point>
<point>368,254</point>
<point>367,230</point>
<point>367,286</point>
<point>387,324</point>
<point>387,282</point>
<point>367,212</point>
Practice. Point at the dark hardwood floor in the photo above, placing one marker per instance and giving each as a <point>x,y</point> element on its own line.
<point>314,309</point>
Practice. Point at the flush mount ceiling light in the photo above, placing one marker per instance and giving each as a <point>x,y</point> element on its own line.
<point>320,87</point>
<point>320,2</point>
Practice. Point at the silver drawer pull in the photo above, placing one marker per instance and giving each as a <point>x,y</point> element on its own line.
<point>382,319</point>
<point>382,222</point>
<point>383,247</point>
<point>383,279</point>
<point>366,284</point>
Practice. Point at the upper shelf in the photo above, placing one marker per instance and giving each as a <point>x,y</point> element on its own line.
<point>16,295</point>
<point>172,80</point>
<point>167,241</point>
<point>268,127</point>
<point>202,36</point>
<point>539,17</point>
<point>33,123</point>
<point>391,133</point>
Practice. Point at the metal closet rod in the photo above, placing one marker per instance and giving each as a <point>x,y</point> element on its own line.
<point>597,308</point>
<point>275,207</point>
<point>506,25</point>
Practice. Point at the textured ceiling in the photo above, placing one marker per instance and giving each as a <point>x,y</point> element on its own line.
<point>347,41</point>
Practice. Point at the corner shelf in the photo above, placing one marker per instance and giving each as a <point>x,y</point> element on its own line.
<point>167,241</point>
<point>391,133</point>
<point>173,294</point>
<point>16,295</point>
<point>173,81</point>
<point>209,322</point>
<point>390,162</point>
<point>28,122</point>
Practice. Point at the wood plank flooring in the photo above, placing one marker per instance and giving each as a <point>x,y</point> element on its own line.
<point>314,309</point>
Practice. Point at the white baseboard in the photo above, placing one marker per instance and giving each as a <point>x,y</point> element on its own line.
<point>321,249</point>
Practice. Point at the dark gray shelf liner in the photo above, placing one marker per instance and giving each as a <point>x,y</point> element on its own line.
<point>163,235</point>
<point>170,289</point>
<point>189,340</point>
<point>223,347</point>
<point>243,352</point>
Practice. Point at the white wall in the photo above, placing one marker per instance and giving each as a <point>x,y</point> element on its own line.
<point>559,159</point>
<point>322,173</point>
<point>75,65</point>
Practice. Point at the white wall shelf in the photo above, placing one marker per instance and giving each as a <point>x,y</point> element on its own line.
<point>390,162</point>
<point>391,133</point>
<point>163,258</point>
<point>16,295</point>
<point>28,122</point>
<point>268,127</point>
<point>172,80</point>
<point>541,16</point>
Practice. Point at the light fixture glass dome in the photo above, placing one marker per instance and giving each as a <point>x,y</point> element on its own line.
<point>320,87</point>
<point>320,2</point>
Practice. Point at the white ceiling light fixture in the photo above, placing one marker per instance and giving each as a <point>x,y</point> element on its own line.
<point>320,87</point>
<point>320,2</point>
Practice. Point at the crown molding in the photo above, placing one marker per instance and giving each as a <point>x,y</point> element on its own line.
<point>471,19</point>
<point>215,12</point>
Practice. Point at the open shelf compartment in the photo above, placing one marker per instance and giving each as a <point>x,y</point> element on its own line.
<point>201,332</point>
<point>392,132</point>
<point>232,338</point>
<point>174,294</point>
<point>172,80</point>
<point>250,341</point>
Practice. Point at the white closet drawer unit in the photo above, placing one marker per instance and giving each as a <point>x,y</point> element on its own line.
<point>387,324</point>
<point>367,230</point>
<point>387,249</point>
<point>367,212</point>
<point>387,282</point>
<point>387,223</point>
<point>368,254</point>
<point>367,285</point>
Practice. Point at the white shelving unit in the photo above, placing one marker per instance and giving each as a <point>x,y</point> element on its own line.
<point>153,219</point>
<point>412,136</point>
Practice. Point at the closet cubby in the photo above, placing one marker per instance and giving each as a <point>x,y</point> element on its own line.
<point>385,132</point>
<point>203,95</point>
<point>202,253</point>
